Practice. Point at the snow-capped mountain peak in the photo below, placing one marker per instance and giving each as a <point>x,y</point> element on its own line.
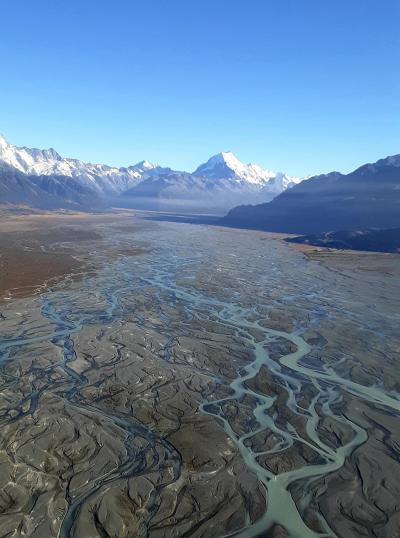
<point>222,165</point>
<point>25,159</point>
<point>225,157</point>
<point>143,166</point>
<point>147,165</point>
<point>226,165</point>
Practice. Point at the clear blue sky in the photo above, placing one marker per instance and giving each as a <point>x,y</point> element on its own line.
<point>301,86</point>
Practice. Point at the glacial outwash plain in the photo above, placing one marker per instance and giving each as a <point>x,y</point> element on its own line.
<point>171,380</point>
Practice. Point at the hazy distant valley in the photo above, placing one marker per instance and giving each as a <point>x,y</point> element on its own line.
<point>248,196</point>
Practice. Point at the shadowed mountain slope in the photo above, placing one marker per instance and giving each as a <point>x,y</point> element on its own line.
<point>369,197</point>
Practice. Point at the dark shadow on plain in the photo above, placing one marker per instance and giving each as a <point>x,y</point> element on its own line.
<point>182,218</point>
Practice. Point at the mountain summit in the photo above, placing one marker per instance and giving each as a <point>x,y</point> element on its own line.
<point>226,165</point>
<point>223,165</point>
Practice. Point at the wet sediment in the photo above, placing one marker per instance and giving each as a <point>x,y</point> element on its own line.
<point>184,391</point>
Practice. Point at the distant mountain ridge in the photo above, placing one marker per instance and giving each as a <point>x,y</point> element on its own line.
<point>99,177</point>
<point>220,183</point>
<point>369,197</point>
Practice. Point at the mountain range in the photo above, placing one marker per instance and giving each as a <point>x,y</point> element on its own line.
<point>368,197</point>
<point>43,178</point>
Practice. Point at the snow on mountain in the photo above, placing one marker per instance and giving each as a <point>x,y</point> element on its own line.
<point>100,178</point>
<point>226,165</point>
<point>220,183</point>
<point>143,167</point>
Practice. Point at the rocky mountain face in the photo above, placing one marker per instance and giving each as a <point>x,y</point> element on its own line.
<point>369,197</point>
<point>47,179</point>
<point>46,191</point>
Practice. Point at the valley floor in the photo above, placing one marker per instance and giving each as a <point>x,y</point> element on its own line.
<point>171,380</point>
